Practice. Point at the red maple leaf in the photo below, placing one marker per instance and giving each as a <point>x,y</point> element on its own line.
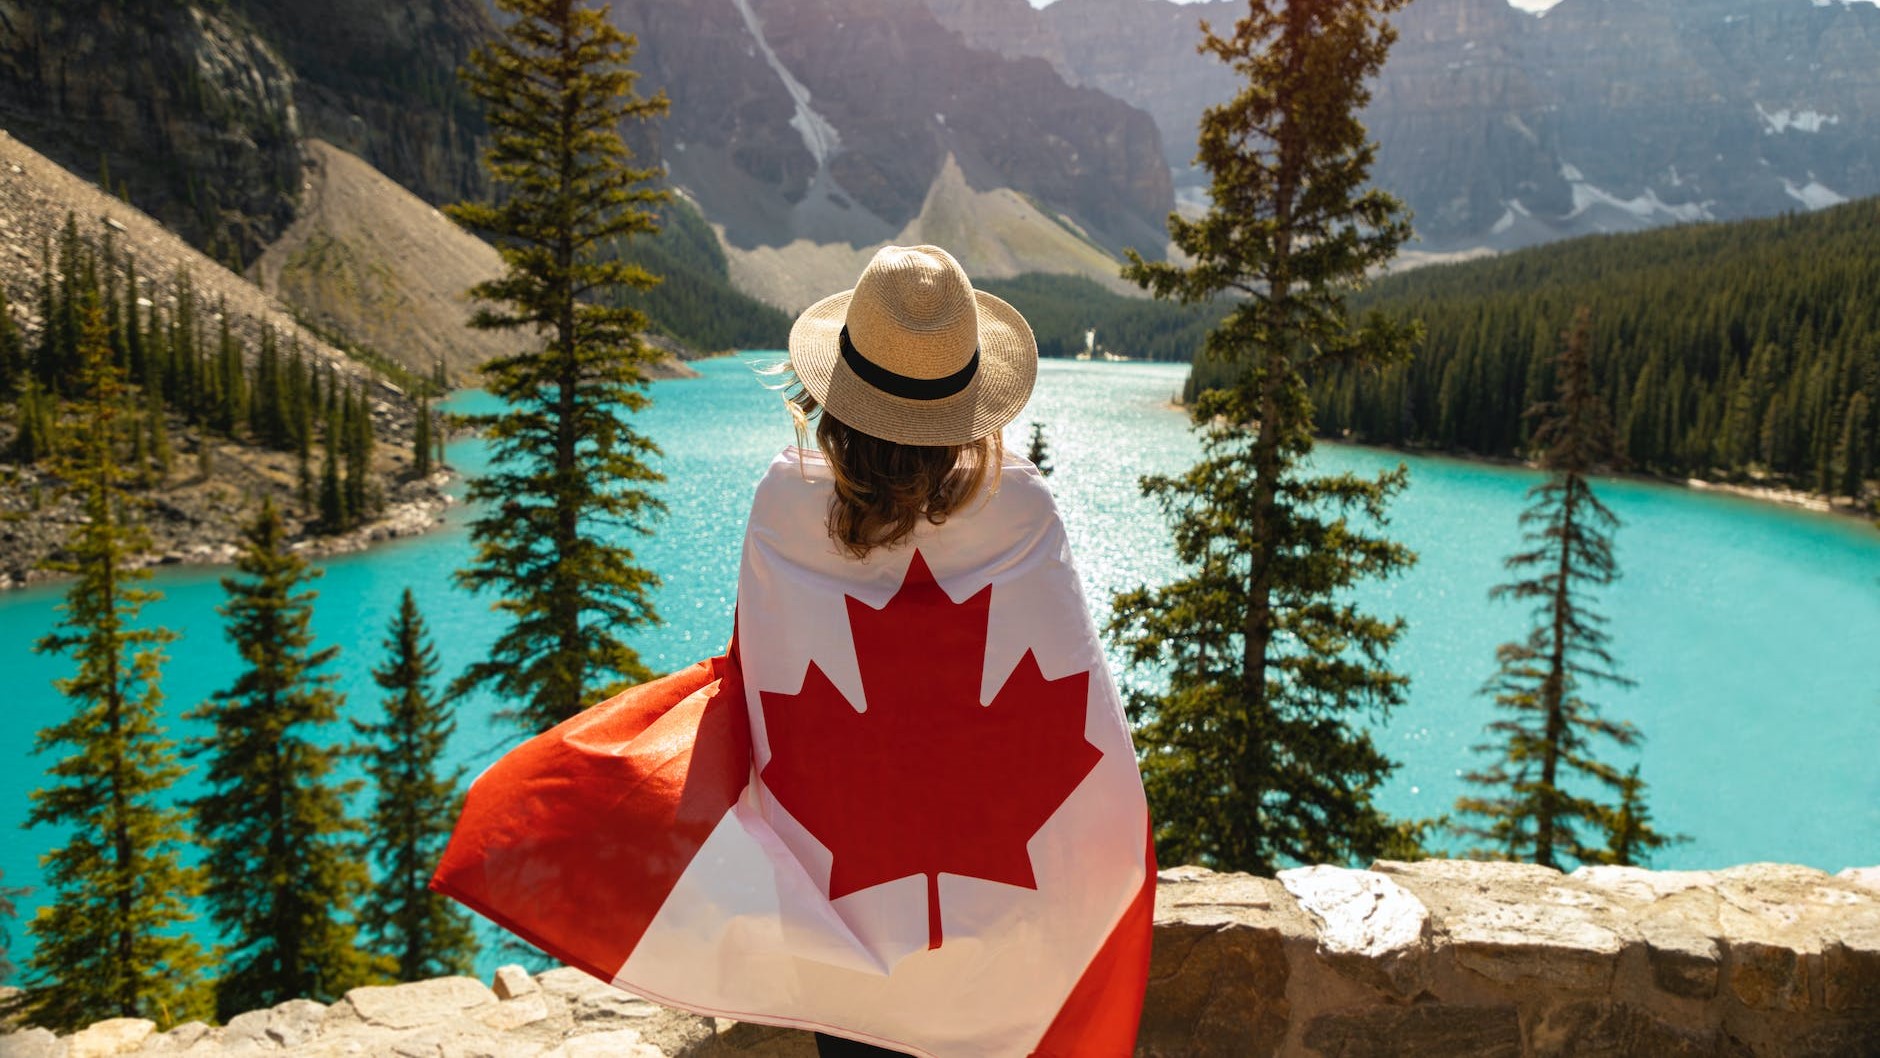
<point>928,780</point>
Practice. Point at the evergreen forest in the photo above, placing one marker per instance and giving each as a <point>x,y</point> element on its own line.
<point>1745,351</point>
<point>188,369</point>
<point>694,301</point>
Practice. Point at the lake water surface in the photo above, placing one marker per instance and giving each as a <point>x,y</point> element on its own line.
<point>1753,631</point>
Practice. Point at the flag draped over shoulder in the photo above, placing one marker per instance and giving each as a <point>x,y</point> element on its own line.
<point>903,807</point>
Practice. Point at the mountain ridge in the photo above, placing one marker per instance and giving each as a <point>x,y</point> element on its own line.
<point>1502,129</point>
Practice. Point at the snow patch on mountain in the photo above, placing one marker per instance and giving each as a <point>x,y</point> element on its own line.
<point>1812,194</point>
<point>1511,210</point>
<point>1776,122</point>
<point>1538,8</point>
<point>818,134</point>
<point>1647,207</point>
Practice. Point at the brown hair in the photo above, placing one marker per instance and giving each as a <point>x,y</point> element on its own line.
<point>883,489</point>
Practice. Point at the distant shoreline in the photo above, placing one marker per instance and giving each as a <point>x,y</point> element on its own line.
<point>1773,494</point>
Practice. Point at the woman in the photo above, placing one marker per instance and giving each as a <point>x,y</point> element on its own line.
<point>903,809</point>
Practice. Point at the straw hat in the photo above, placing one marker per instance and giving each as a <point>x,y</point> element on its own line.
<point>914,354</point>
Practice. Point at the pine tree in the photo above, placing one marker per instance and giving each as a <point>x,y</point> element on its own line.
<point>1630,839</point>
<point>132,322</point>
<point>283,868</point>
<point>8,913</point>
<point>13,365</point>
<point>421,437</point>
<point>428,934</point>
<point>334,515</point>
<point>159,426</point>
<point>105,946</point>
<point>1850,466</point>
<point>231,389</point>
<point>1529,808</point>
<point>1039,454</point>
<point>361,499</point>
<point>568,468</point>
<point>1257,750</point>
<point>36,438</point>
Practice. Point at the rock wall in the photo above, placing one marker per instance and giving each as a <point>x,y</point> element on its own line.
<point>190,112</point>
<point>1432,959</point>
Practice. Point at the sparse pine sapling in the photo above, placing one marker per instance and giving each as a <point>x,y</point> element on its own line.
<point>421,437</point>
<point>1039,453</point>
<point>1540,796</point>
<point>8,914</point>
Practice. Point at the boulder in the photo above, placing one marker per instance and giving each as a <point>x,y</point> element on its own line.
<point>1370,928</point>
<point>418,1003</point>
<point>106,1038</point>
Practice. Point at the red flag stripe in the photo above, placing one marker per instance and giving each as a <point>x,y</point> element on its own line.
<point>586,828</point>
<point>1100,1017</point>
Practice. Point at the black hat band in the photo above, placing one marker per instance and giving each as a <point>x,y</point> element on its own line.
<point>899,385</point>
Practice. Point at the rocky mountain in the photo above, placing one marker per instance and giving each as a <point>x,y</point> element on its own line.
<point>185,110</point>
<point>370,261</point>
<point>379,80</point>
<point>1503,128</point>
<point>196,512</point>
<point>811,131</point>
<point>196,111</point>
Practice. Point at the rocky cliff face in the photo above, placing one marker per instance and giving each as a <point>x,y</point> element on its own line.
<point>831,120</point>
<point>379,80</point>
<point>1433,960</point>
<point>198,110</point>
<point>1501,128</point>
<point>187,108</point>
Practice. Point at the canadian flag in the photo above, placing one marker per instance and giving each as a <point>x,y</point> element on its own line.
<point>902,808</point>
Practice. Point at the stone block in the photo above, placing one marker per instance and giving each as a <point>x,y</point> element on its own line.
<point>515,1013</point>
<point>1865,877</point>
<point>185,1035</point>
<point>1214,990</point>
<point>250,1027</point>
<point>418,1003</point>
<point>1850,978</point>
<point>1768,976</point>
<point>31,1043</point>
<point>512,981</point>
<point>1418,1032</point>
<point>1518,922</point>
<point>612,1043</point>
<point>594,1005</point>
<point>1607,1029</point>
<point>1681,947</point>
<point>741,1039</point>
<point>1638,883</point>
<point>295,1022</point>
<point>109,1037</point>
<point>1370,928</point>
<point>1218,969</point>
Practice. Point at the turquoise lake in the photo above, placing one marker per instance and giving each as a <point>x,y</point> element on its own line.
<point>1753,631</point>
